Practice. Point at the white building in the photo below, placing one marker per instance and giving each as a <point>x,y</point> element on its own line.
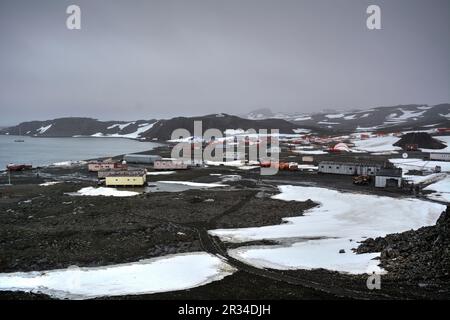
<point>389,177</point>
<point>440,156</point>
<point>349,168</point>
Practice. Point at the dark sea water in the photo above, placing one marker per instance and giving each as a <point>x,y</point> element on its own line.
<point>46,151</point>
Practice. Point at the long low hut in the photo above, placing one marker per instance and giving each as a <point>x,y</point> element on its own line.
<point>349,168</point>
<point>126,178</point>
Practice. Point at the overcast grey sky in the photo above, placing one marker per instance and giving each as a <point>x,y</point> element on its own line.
<point>151,59</point>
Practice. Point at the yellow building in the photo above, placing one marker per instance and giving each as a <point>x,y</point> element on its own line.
<point>132,178</point>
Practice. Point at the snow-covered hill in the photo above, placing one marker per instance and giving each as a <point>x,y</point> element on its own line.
<point>380,118</point>
<point>144,129</point>
<point>388,119</point>
<point>73,127</point>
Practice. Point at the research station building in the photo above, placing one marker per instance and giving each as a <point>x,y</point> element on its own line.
<point>129,178</point>
<point>389,177</point>
<point>349,168</point>
<point>169,165</point>
<point>96,166</point>
<point>141,158</point>
<point>440,156</point>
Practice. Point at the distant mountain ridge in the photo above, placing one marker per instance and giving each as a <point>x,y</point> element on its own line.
<point>163,130</point>
<point>416,116</point>
<point>388,119</point>
<point>74,126</point>
<point>141,129</point>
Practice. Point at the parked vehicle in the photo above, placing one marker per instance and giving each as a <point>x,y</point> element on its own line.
<point>362,180</point>
<point>282,166</point>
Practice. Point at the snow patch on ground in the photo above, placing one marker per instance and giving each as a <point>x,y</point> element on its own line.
<point>340,217</point>
<point>419,164</point>
<point>310,151</point>
<point>169,273</point>
<point>68,163</point>
<point>299,130</point>
<point>232,132</point>
<point>235,163</point>
<point>231,178</point>
<point>430,178</point>
<point>384,153</point>
<point>138,132</point>
<point>158,173</point>
<point>377,144</point>
<point>326,122</point>
<point>302,118</point>
<point>334,116</point>
<point>142,128</point>
<point>51,183</point>
<point>395,118</point>
<point>195,184</point>
<point>311,255</point>
<point>307,167</point>
<point>103,191</point>
<point>42,130</point>
<point>441,190</point>
<point>121,126</point>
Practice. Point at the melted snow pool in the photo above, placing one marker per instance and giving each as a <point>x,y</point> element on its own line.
<point>180,186</point>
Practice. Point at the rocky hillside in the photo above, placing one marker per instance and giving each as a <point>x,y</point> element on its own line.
<point>422,139</point>
<point>142,129</point>
<point>70,127</point>
<point>388,119</point>
<point>396,118</point>
<point>417,254</point>
<point>164,128</point>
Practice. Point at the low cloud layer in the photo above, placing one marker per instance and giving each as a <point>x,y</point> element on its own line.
<point>152,59</point>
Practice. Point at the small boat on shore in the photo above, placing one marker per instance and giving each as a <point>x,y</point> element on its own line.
<point>18,167</point>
